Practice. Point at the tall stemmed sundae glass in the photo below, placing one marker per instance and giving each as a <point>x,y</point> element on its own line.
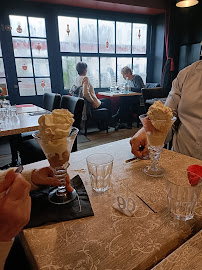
<point>156,136</point>
<point>57,146</point>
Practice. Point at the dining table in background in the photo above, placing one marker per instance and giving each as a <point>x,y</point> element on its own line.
<point>109,239</point>
<point>119,94</point>
<point>119,100</point>
<point>28,115</point>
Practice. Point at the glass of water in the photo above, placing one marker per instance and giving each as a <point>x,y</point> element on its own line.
<point>100,170</point>
<point>182,199</point>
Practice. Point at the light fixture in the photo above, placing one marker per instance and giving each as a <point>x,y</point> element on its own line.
<point>186,3</point>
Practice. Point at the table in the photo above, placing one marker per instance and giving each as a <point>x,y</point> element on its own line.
<point>119,94</point>
<point>186,257</point>
<point>110,240</point>
<point>126,101</point>
<point>28,122</point>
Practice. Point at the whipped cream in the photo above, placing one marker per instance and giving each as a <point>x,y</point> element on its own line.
<point>54,129</point>
<point>160,116</point>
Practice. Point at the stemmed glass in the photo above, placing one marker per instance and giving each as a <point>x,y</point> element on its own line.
<point>156,140</point>
<point>59,165</point>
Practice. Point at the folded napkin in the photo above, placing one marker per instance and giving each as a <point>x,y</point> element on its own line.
<point>43,211</point>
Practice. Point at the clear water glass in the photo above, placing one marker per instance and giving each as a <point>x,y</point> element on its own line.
<point>13,117</point>
<point>2,117</point>
<point>100,170</point>
<point>182,200</point>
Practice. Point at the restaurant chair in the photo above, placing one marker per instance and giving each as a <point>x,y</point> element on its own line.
<point>30,150</point>
<point>75,106</point>
<point>100,115</point>
<point>150,93</point>
<point>51,101</point>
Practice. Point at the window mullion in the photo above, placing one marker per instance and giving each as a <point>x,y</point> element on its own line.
<point>30,44</point>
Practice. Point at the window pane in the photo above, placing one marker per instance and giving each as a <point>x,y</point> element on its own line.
<point>108,71</point>
<point>2,81</point>
<point>69,70</point>
<point>139,38</point>
<point>37,27</point>
<point>140,67</point>
<point>39,47</point>
<point>24,67</point>
<point>93,70</point>
<point>19,25</point>
<point>41,67</point>
<point>88,35</point>
<point>27,87</point>
<point>106,36</point>
<point>3,85</point>
<point>21,47</point>
<point>68,34</point>
<point>2,72</point>
<point>43,85</point>
<point>0,50</point>
<point>123,37</point>
<point>121,62</point>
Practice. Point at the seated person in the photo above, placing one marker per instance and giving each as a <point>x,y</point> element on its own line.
<point>84,89</point>
<point>185,101</point>
<point>135,80</point>
<point>15,202</point>
<point>129,105</point>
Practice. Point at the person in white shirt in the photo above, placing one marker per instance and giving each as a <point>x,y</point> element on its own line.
<point>15,202</point>
<point>185,99</point>
<point>84,89</point>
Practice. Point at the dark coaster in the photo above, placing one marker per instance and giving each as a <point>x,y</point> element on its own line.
<point>43,211</point>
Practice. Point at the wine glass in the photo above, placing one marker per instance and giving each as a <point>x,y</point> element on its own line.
<point>156,138</point>
<point>59,162</point>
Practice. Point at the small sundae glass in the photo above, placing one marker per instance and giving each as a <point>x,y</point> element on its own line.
<point>157,122</point>
<point>56,137</point>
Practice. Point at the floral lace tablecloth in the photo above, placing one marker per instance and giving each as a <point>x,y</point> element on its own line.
<point>111,240</point>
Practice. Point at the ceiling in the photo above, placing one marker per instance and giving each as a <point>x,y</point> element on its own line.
<point>148,7</point>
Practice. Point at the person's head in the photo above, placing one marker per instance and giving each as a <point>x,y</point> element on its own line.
<point>127,72</point>
<point>81,68</point>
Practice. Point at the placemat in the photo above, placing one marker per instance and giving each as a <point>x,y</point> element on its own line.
<point>43,211</point>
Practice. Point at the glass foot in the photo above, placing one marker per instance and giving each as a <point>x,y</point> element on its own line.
<point>61,199</point>
<point>148,170</point>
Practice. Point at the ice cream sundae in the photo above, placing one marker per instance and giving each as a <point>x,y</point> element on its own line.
<point>56,137</point>
<point>157,123</point>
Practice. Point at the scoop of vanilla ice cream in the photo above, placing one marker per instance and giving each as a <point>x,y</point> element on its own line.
<point>160,116</point>
<point>54,129</point>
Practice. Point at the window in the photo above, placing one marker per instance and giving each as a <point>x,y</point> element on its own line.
<point>31,55</point>
<point>2,74</point>
<point>106,46</point>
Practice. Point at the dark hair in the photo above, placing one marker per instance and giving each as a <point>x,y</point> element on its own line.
<point>81,67</point>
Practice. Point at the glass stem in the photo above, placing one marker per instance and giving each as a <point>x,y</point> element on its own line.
<point>154,155</point>
<point>61,174</point>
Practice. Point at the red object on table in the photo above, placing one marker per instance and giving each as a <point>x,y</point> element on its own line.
<point>25,105</point>
<point>194,174</point>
